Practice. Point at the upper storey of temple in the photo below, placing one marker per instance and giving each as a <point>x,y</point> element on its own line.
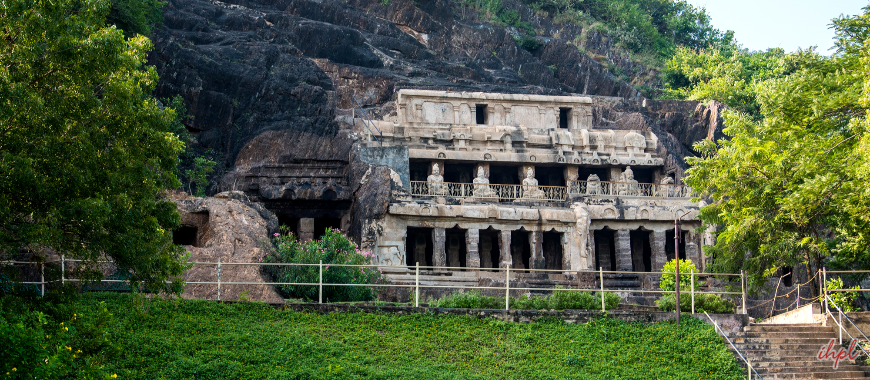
<point>531,129</point>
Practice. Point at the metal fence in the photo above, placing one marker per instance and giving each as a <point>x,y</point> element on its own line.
<point>417,285</point>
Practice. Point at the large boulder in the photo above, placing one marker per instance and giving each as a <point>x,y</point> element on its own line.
<point>229,228</point>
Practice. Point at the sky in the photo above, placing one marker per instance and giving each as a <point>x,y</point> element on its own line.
<point>763,24</point>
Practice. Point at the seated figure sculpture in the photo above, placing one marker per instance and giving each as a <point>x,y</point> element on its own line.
<point>627,184</point>
<point>481,185</point>
<point>530,186</point>
<point>436,182</point>
<point>666,187</point>
<point>593,185</point>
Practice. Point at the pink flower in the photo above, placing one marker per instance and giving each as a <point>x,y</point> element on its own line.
<point>276,234</point>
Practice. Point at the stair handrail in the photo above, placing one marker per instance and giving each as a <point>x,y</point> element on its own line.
<point>748,365</point>
<point>841,315</point>
<point>366,117</point>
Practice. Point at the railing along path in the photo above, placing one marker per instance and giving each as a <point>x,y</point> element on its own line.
<point>218,265</point>
<point>504,192</point>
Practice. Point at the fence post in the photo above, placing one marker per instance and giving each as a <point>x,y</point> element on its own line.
<point>62,270</point>
<point>219,279</point>
<point>692,282</point>
<point>798,297</point>
<point>743,289</point>
<point>748,369</point>
<point>42,277</point>
<point>507,288</point>
<point>417,287</point>
<point>825,287</point>
<point>320,282</point>
<point>601,279</point>
<point>821,297</point>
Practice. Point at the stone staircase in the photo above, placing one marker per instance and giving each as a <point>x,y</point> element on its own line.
<point>789,351</point>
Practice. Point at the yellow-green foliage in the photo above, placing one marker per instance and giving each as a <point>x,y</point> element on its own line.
<point>843,300</point>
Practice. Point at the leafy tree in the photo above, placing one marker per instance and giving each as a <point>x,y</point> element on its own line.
<point>790,186</point>
<point>727,74</point>
<point>85,150</point>
<point>135,16</point>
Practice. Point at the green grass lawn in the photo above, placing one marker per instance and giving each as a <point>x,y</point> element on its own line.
<point>181,339</point>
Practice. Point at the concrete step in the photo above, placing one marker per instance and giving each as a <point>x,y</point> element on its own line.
<point>788,328</point>
<point>808,369</point>
<point>791,347</point>
<point>781,340</point>
<point>816,375</point>
<point>794,361</point>
<point>801,335</point>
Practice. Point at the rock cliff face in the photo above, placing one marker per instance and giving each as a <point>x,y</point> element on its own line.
<point>231,229</point>
<point>269,82</point>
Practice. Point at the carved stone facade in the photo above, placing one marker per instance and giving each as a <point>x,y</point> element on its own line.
<point>526,181</point>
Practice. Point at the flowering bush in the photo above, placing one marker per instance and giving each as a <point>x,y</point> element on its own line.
<point>332,248</point>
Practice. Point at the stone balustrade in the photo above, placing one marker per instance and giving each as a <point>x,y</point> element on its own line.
<point>502,192</point>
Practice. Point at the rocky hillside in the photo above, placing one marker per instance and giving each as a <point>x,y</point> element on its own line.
<point>265,80</point>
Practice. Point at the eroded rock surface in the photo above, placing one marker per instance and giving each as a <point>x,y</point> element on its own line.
<point>229,228</point>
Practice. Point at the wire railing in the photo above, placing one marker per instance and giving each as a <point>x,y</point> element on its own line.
<point>749,369</point>
<point>510,274</point>
<point>503,192</point>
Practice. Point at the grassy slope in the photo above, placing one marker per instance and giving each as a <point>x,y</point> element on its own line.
<point>208,340</point>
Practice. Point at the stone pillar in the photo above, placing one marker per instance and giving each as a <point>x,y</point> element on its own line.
<point>623,250</point>
<point>537,261</point>
<point>453,246</point>
<point>570,250</point>
<point>657,244</point>
<point>692,253</point>
<point>472,258</point>
<point>439,256</point>
<point>485,251</point>
<point>305,229</point>
<point>504,245</point>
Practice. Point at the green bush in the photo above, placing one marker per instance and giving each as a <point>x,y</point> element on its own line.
<point>668,280</point>
<point>711,303</point>
<point>43,338</point>
<point>842,299</point>
<point>559,300</point>
<point>332,248</point>
<point>529,43</point>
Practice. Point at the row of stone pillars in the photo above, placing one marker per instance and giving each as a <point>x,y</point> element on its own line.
<point>472,246</point>
<point>629,252</point>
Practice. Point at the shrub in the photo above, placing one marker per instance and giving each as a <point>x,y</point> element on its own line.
<point>468,300</point>
<point>332,248</point>
<point>44,339</point>
<point>529,43</point>
<point>559,300</point>
<point>668,280</point>
<point>711,303</point>
<point>842,299</point>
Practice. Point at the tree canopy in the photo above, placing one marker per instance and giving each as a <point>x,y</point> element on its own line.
<point>85,150</point>
<point>790,184</point>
